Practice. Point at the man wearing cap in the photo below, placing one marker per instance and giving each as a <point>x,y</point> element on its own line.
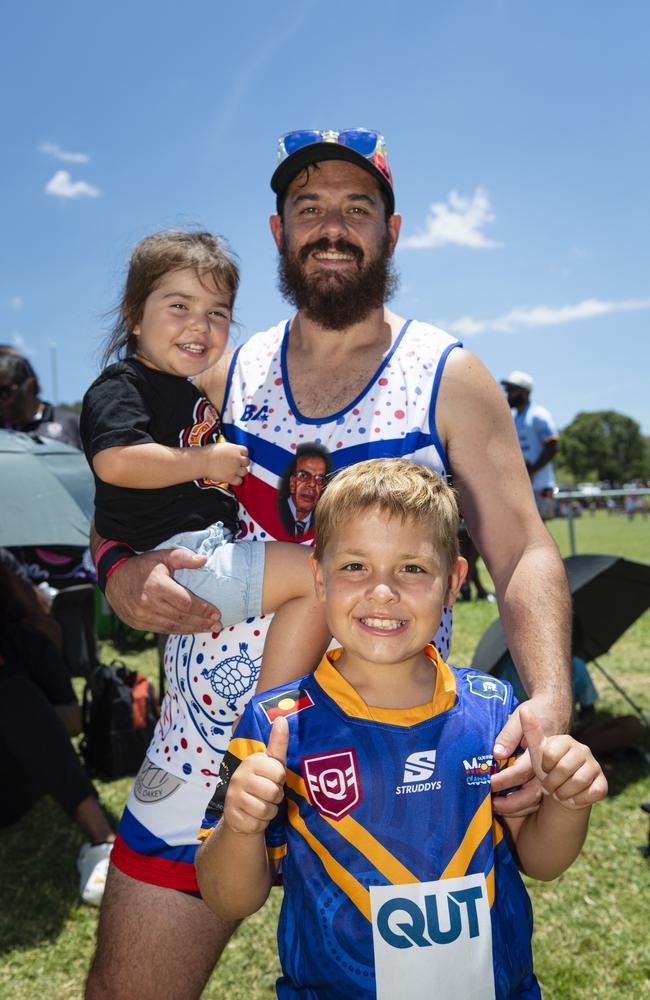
<point>538,438</point>
<point>361,382</point>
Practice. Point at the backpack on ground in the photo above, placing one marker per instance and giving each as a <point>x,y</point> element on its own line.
<point>119,712</point>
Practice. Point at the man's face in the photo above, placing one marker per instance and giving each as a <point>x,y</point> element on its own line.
<point>335,244</point>
<point>516,395</point>
<point>306,484</point>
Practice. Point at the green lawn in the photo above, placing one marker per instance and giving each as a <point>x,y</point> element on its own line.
<point>591,938</point>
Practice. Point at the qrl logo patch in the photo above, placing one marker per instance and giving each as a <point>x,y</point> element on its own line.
<point>487,687</point>
<point>333,782</point>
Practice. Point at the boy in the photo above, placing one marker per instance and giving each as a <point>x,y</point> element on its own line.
<point>371,777</point>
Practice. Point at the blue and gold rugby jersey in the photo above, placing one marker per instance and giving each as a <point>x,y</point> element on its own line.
<point>381,797</point>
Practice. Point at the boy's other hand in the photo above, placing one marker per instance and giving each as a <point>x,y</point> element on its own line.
<point>521,775</point>
<point>226,462</point>
<point>257,787</point>
<point>143,594</point>
<point>566,769</point>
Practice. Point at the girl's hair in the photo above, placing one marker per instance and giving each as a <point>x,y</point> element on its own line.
<point>153,258</point>
<point>396,487</point>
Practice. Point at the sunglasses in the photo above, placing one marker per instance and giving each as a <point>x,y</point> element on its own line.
<point>364,141</point>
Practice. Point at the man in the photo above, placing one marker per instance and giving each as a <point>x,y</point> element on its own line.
<point>538,439</point>
<point>307,476</point>
<point>362,382</point>
<point>21,408</point>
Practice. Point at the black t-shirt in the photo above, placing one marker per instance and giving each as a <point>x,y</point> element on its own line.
<point>132,404</point>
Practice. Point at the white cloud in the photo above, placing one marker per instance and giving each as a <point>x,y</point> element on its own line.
<point>51,149</point>
<point>458,221</point>
<point>62,186</point>
<point>525,317</point>
<point>21,346</point>
<point>16,302</point>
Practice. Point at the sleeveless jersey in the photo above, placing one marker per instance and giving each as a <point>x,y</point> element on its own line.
<point>211,677</point>
<point>395,872</point>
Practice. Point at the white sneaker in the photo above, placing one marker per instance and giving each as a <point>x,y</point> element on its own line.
<point>92,865</point>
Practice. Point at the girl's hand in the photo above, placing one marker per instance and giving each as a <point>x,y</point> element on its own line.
<point>225,463</point>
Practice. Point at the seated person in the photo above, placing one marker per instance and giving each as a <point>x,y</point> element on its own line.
<point>38,714</point>
<point>371,777</point>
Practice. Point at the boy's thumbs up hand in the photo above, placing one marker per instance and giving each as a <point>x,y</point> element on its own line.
<point>566,769</point>
<point>279,741</point>
<point>257,787</point>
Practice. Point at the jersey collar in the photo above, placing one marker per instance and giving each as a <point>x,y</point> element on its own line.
<point>345,696</point>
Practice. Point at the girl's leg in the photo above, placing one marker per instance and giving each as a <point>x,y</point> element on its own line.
<point>298,635</point>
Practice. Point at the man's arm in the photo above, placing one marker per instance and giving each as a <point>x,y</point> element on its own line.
<point>546,455</point>
<point>143,594</point>
<point>497,502</point>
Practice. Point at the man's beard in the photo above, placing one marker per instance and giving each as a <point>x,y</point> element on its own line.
<point>337,300</point>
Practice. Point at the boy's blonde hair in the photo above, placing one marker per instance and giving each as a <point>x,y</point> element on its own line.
<point>396,487</point>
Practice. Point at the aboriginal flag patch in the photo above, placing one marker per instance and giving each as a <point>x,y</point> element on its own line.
<point>287,703</point>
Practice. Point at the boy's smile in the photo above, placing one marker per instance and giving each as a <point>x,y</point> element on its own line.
<point>384,583</point>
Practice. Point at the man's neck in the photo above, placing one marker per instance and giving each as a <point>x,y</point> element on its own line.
<point>377,330</point>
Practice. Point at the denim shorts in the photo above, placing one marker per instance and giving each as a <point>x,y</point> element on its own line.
<point>232,577</point>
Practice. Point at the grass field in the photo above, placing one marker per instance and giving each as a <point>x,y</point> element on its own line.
<point>591,937</point>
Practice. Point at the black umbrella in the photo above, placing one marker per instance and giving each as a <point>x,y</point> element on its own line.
<point>46,492</point>
<point>609,594</point>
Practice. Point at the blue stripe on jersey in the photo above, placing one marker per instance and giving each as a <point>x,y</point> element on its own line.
<point>142,840</point>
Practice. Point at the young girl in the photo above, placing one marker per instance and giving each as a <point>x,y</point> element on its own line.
<point>161,466</point>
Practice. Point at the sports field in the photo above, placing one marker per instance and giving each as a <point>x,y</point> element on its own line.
<point>591,937</point>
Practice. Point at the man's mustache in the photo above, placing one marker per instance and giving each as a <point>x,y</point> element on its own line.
<point>323,244</point>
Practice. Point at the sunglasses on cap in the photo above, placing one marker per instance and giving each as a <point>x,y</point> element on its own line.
<point>364,141</point>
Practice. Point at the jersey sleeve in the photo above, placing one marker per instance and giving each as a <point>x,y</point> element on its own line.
<point>114,414</point>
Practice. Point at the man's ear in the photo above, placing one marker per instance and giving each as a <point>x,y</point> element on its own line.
<point>319,579</point>
<point>455,580</point>
<point>277,229</point>
<point>394,225</point>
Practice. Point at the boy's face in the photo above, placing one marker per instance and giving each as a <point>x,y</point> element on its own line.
<point>384,583</point>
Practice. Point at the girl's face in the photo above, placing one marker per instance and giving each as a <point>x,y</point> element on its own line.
<point>185,324</point>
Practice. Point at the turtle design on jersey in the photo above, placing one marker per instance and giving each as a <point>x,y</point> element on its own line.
<point>233,677</point>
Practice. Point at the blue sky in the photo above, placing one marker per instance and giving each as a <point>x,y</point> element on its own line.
<point>517,134</point>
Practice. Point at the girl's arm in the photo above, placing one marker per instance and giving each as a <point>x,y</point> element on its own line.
<point>233,869</point>
<point>150,466</point>
<point>549,840</point>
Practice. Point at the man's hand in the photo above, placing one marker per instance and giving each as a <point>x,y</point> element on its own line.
<point>566,769</point>
<point>257,787</point>
<point>143,594</point>
<point>552,719</point>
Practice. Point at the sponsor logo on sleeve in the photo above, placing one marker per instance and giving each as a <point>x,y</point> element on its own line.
<point>487,687</point>
<point>287,703</point>
<point>479,768</point>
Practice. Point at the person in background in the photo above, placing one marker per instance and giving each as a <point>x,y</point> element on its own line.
<point>39,713</point>
<point>538,438</point>
<point>22,409</point>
